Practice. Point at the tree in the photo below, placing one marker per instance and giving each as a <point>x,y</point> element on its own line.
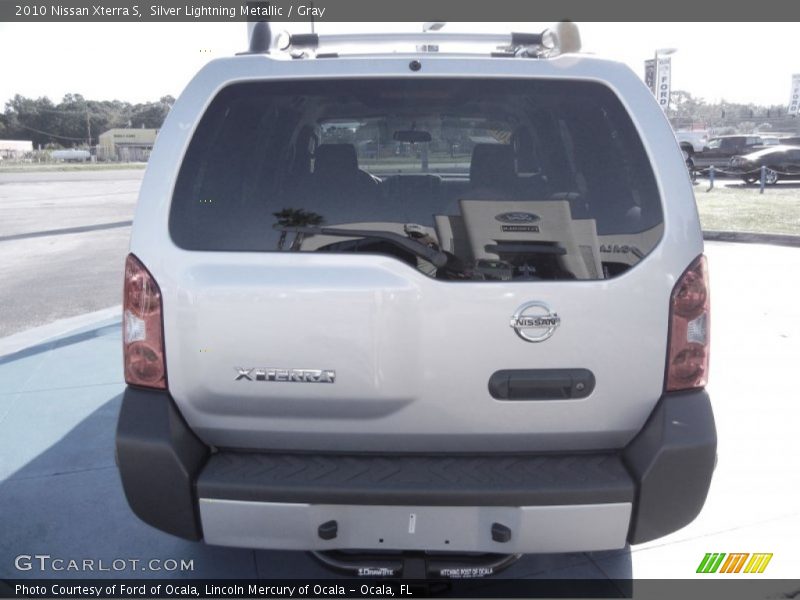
<point>70,121</point>
<point>746,127</point>
<point>720,117</point>
<point>296,217</point>
<point>688,110</point>
<point>34,119</point>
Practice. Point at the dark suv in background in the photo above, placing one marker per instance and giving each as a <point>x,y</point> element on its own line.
<point>721,149</point>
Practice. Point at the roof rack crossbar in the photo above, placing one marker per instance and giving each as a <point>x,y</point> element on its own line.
<point>563,38</point>
<point>313,40</point>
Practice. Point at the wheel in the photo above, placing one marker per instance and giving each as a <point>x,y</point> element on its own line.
<point>690,167</point>
<point>749,179</point>
<point>771,177</point>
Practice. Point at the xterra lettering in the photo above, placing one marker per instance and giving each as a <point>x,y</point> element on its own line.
<point>286,375</point>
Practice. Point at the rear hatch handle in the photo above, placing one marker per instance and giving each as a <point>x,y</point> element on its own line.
<point>541,384</point>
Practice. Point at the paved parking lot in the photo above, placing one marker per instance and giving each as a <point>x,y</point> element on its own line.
<point>60,493</point>
<point>63,239</point>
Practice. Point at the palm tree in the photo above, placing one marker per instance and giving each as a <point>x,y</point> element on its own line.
<point>296,217</point>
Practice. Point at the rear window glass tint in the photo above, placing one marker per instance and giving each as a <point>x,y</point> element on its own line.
<point>480,179</point>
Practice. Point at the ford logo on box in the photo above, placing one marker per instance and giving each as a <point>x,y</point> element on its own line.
<point>517,217</point>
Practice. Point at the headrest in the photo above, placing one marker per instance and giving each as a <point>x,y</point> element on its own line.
<point>492,165</point>
<point>337,160</point>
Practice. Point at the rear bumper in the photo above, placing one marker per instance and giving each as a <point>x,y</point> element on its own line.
<point>489,503</point>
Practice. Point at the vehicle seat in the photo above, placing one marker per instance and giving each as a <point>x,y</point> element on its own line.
<point>492,173</point>
<point>493,176</point>
<point>337,165</point>
<point>337,190</point>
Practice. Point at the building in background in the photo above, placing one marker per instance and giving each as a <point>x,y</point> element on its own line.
<point>14,149</point>
<point>126,145</point>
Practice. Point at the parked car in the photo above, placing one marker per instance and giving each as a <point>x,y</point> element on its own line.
<point>790,140</point>
<point>781,162</point>
<point>721,149</point>
<point>692,141</point>
<point>495,343</point>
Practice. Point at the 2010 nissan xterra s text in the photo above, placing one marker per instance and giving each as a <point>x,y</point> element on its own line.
<point>450,303</point>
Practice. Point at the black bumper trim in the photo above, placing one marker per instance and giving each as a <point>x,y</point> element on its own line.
<point>159,458</point>
<point>672,460</point>
<point>449,480</point>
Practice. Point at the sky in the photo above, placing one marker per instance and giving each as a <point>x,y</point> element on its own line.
<point>139,62</point>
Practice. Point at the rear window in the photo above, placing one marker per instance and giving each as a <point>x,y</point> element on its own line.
<point>475,180</point>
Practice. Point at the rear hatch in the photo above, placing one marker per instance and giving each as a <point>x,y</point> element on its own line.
<point>355,263</point>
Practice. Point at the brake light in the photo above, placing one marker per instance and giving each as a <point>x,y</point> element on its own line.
<point>142,329</point>
<point>689,318</point>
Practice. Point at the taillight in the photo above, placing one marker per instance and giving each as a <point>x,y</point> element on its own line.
<point>142,331</point>
<point>689,320</point>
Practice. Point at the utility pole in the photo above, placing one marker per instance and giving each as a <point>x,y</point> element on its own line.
<point>88,128</point>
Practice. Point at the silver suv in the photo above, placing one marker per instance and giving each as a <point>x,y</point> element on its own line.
<point>451,303</point>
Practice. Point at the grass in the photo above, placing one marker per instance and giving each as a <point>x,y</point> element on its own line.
<point>740,207</point>
<point>34,167</point>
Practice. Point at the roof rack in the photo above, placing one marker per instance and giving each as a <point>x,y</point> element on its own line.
<point>562,38</point>
<point>314,40</point>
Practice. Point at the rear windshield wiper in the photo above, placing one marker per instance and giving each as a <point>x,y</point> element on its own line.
<point>432,255</point>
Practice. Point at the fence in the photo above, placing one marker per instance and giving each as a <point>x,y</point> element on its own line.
<point>766,176</point>
<point>126,153</point>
